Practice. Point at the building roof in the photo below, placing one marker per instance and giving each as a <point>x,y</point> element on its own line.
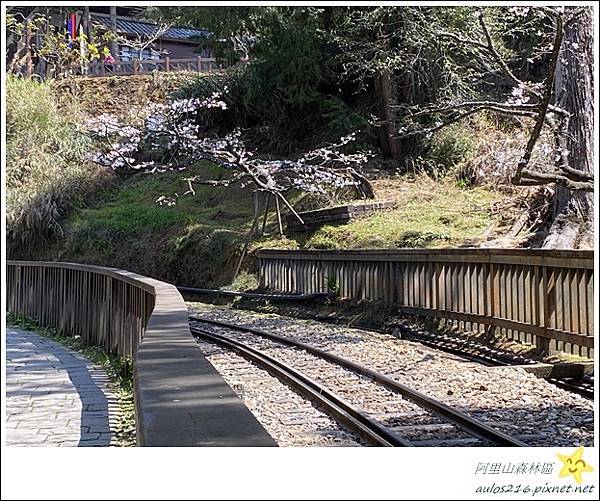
<point>131,26</point>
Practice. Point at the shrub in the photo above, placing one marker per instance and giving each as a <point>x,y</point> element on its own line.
<point>274,120</point>
<point>340,120</point>
<point>450,147</point>
<point>46,175</point>
<point>498,150</point>
<point>243,282</point>
<point>204,85</point>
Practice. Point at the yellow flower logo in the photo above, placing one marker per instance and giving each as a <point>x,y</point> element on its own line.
<point>574,465</point>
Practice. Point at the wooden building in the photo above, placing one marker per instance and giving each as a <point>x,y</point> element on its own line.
<point>136,40</point>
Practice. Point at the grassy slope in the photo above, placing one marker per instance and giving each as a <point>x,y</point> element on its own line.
<point>197,241</point>
<point>125,227</point>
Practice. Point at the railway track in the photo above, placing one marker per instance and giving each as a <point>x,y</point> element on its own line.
<point>476,352</point>
<point>583,386</point>
<point>468,350</point>
<point>379,409</point>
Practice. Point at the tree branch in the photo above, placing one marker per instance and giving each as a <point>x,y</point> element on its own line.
<point>496,55</point>
<point>545,102</point>
<point>499,108</point>
<point>529,178</point>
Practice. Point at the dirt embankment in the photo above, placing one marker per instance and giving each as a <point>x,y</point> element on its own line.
<point>118,94</point>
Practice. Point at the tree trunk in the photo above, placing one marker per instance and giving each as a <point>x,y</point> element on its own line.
<point>384,93</point>
<point>87,25</point>
<point>114,47</point>
<point>574,91</point>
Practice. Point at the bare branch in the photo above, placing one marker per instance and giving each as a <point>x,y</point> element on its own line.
<point>545,102</point>
<point>219,182</point>
<point>531,178</point>
<point>496,107</point>
<point>496,55</point>
<point>462,40</point>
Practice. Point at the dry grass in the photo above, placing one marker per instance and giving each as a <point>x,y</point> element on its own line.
<point>117,94</point>
<point>46,174</point>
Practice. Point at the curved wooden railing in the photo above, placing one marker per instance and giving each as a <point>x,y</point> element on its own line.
<point>180,399</point>
<point>540,296</point>
<point>107,307</point>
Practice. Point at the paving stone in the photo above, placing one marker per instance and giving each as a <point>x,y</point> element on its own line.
<point>55,397</point>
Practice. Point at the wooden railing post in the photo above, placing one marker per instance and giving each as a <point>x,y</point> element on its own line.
<point>542,342</point>
<point>167,63</point>
<point>492,308</point>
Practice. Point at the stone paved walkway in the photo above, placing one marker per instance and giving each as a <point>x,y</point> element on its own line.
<point>54,396</point>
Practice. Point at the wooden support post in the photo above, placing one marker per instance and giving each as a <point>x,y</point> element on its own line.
<point>167,63</point>
<point>267,200</point>
<point>543,343</point>
<point>199,62</point>
<point>278,215</point>
<point>291,208</point>
<point>87,24</point>
<point>135,66</point>
<point>28,59</point>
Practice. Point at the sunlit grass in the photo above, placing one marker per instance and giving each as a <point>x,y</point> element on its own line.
<point>428,214</point>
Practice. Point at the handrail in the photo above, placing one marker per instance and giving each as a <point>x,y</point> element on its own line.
<point>540,296</point>
<point>559,258</point>
<point>141,66</point>
<point>180,399</point>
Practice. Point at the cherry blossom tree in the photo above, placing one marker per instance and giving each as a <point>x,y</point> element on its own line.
<point>167,136</point>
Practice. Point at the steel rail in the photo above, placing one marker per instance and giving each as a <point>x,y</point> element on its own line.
<point>490,361</point>
<point>334,405</point>
<point>253,295</point>
<point>460,419</point>
<point>573,387</point>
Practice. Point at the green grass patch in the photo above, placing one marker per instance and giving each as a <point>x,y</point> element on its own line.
<point>119,370</point>
<point>194,242</point>
<point>132,206</point>
<point>428,215</point>
<point>131,218</point>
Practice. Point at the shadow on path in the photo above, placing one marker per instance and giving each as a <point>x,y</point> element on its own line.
<point>55,396</point>
<point>94,428</point>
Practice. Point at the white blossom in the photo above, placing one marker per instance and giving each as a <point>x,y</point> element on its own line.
<point>171,130</point>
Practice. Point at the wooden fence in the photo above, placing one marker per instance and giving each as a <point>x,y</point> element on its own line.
<point>109,309</point>
<point>147,321</point>
<point>544,297</point>
<point>142,66</point>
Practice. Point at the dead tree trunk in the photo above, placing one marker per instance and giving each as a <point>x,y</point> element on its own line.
<point>574,90</point>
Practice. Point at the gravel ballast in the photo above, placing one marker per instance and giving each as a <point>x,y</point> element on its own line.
<point>510,399</point>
